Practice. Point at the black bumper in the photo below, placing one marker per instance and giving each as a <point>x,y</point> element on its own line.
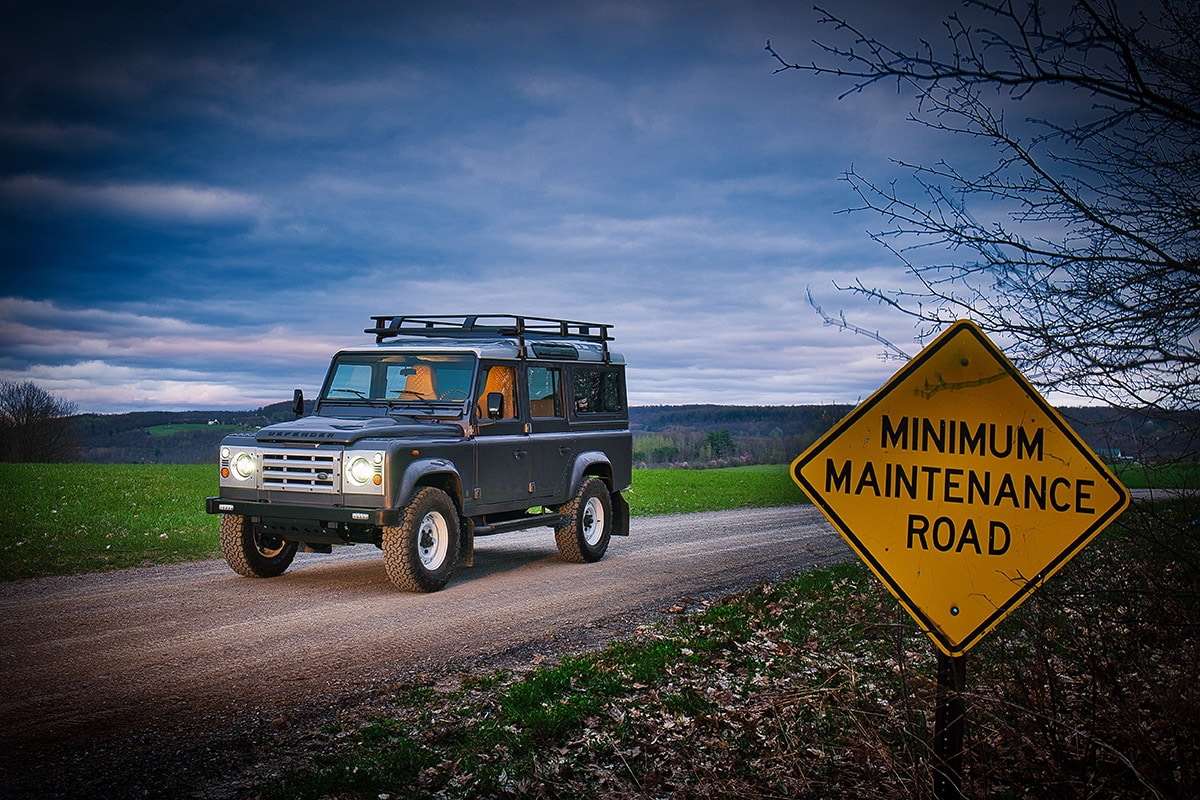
<point>351,516</point>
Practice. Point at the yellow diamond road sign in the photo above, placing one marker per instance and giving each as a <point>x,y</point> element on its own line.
<point>960,486</point>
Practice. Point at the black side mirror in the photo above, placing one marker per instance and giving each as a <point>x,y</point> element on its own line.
<point>298,402</point>
<point>495,405</point>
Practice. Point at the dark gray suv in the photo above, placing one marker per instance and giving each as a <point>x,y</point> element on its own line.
<point>446,428</point>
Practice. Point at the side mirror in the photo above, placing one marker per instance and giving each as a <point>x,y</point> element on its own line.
<point>298,402</point>
<point>495,405</point>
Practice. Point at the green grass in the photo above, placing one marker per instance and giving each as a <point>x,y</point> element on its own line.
<point>171,430</point>
<point>60,519</point>
<point>680,491</point>
<point>1170,476</point>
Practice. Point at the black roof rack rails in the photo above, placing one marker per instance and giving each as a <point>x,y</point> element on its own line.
<point>465,326</point>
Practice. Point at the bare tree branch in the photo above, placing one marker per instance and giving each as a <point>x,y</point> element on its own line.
<point>1088,258</point>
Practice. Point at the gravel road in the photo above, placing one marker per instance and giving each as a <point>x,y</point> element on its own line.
<point>167,681</point>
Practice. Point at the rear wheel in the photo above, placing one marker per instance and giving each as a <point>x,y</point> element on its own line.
<point>584,537</point>
<point>420,553</point>
<point>253,554</point>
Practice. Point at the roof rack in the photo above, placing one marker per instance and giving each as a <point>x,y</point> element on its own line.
<point>465,326</point>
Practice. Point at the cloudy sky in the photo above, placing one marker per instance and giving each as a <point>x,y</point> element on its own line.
<point>200,202</point>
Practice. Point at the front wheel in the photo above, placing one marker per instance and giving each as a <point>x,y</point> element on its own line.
<point>583,538</point>
<point>253,554</point>
<point>419,554</point>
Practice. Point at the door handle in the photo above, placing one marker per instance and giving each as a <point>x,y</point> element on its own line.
<point>564,450</point>
<point>519,454</point>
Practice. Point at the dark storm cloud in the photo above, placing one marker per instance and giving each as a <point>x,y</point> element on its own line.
<point>198,202</point>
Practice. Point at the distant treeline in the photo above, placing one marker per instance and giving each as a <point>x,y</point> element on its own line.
<point>694,436</point>
<point>719,436</point>
<point>691,435</point>
<point>145,437</point>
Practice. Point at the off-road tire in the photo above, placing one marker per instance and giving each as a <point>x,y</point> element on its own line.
<point>420,553</point>
<point>252,554</point>
<point>584,537</point>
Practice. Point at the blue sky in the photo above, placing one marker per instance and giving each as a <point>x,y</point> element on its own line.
<point>198,205</point>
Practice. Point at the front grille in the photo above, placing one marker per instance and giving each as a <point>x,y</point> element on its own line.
<point>302,471</point>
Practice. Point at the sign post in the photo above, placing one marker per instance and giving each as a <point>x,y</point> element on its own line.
<point>949,724</point>
<point>961,488</point>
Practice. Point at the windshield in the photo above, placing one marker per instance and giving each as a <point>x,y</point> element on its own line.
<point>400,379</point>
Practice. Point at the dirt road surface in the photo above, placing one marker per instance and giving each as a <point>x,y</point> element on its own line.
<point>167,681</point>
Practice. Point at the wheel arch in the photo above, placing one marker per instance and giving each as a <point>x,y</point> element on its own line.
<point>439,473</point>
<point>596,464</point>
<point>590,464</point>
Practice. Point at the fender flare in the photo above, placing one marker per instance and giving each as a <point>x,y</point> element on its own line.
<point>416,471</point>
<point>584,466</point>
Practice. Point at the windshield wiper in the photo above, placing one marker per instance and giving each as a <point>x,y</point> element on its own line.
<point>355,392</point>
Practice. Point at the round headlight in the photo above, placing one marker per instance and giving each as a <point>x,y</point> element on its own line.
<point>361,470</point>
<point>243,465</point>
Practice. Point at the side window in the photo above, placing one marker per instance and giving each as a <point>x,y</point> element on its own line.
<point>499,379</point>
<point>545,392</point>
<point>597,391</point>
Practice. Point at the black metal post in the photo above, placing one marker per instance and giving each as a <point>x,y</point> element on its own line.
<point>948,724</point>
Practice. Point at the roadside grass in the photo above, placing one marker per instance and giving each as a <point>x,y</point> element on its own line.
<point>1182,475</point>
<point>62,519</point>
<point>821,686</point>
<point>818,686</point>
<point>681,491</point>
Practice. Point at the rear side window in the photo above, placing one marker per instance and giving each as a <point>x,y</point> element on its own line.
<point>545,392</point>
<point>597,391</point>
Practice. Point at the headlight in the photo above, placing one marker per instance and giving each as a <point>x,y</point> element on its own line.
<point>243,465</point>
<point>360,470</point>
<point>237,466</point>
<point>365,468</point>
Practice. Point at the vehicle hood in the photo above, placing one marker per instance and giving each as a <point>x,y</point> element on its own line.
<point>347,430</point>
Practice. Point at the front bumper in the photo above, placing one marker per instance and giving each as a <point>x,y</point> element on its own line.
<point>349,516</point>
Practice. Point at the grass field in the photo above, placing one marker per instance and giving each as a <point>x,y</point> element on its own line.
<point>680,491</point>
<point>60,519</point>
<point>171,430</point>
<point>1171,476</point>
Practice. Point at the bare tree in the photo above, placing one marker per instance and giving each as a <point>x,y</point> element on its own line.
<point>1088,267</point>
<point>35,426</point>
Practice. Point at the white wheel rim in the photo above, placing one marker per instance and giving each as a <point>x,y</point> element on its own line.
<point>433,540</point>
<point>592,523</point>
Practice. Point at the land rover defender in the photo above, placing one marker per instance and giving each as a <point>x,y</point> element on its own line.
<point>446,428</point>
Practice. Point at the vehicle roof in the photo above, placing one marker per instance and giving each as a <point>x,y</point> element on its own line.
<point>498,336</point>
<point>503,348</point>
